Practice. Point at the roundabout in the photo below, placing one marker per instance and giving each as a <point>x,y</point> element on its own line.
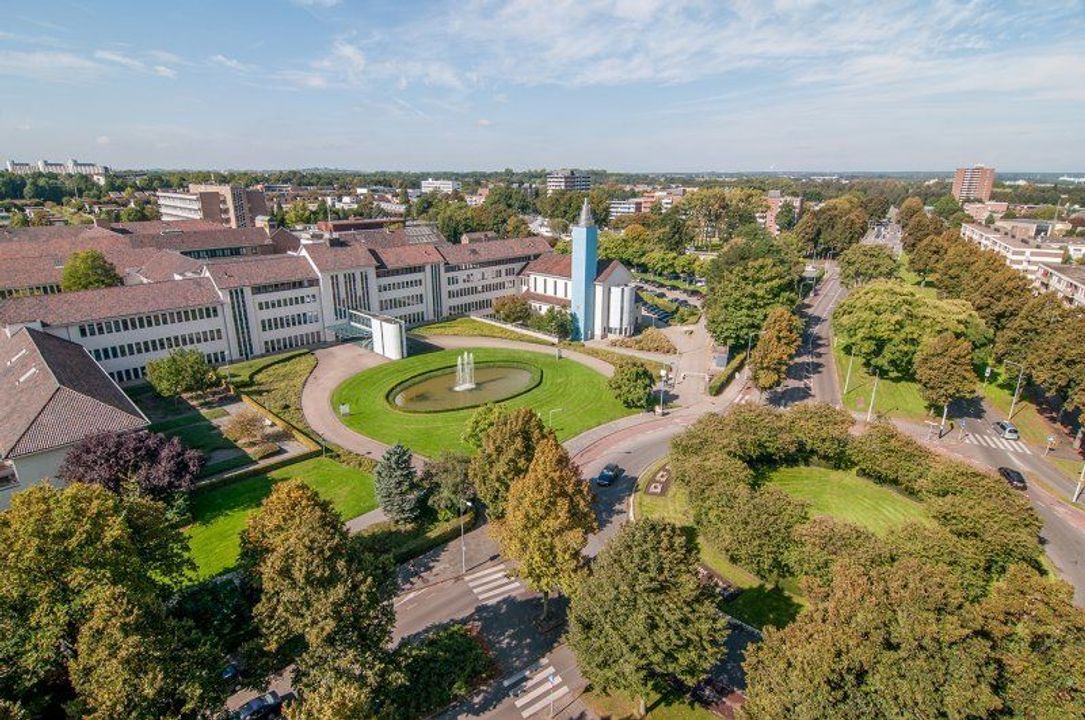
<point>414,400</point>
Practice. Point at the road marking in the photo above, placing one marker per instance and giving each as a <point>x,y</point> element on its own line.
<point>487,571</point>
<point>545,702</point>
<point>493,584</point>
<point>513,679</point>
<point>998,443</point>
<point>542,687</point>
<point>407,597</point>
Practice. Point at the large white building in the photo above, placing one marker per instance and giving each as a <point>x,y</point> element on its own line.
<point>1068,281</point>
<point>72,167</point>
<point>1020,254</point>
<point>441,186</point>
<point>567,180</point>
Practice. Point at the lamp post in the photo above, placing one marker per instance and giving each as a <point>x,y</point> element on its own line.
<point>662,382</point>
<point>550,416</point>
<point>873,395</point>
<point>463,545</point>
<point>1017,387</point>
<point>1080,482</point>
<point>847,378</point>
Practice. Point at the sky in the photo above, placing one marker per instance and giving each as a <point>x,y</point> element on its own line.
<point>626,85</point>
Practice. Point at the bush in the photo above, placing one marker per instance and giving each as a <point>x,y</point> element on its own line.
<point>179,372</point>
<point>263,450</point>
<point>723,379</point>
<point>632,384</point>
<point>651,340</point>
<point>756,435</point>
<point>822,431</point>
<point>438,670</point>
<point>246,427</point>
<point>512,309</point>
<point>886,455</point>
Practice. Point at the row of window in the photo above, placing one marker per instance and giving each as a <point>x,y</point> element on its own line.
<point>219,252</point>
<point>142,347</point>
<point>393,272</point>
<point>291,342</point>
<point>546,286</point>
<point>491,263</point>
<point>401,302</point>
<point>107,327</point>
<point>469,307</point>
<point>484,288</point>
<point>285,302</point>
<point>283,286</point>
<point>399,285</point>
<point>288,321</point>
<point>23,292</point>
<point>137,373</point>
<point>412,318</point>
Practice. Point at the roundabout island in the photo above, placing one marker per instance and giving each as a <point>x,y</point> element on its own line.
<point>415,401</point>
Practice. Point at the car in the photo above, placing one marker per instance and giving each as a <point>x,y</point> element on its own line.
<point>268,705</point>
<point>660,294</point>
<point>1007,430</point>
<point>1015,479</point>
<point>608,475</point>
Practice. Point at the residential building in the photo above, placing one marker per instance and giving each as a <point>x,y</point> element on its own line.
<point>980,211</point>
<point>1020,254</point>
<point>567,180</point>
<point>1066,280</point>
<point>55,395</point>
<point>72,167</point>
<point>231,206</point>
<point>973,183</point>
<point>632,206</point>
<point>774,200</point>
<point>444,187</point>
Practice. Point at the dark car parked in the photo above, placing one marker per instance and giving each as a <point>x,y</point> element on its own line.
<point>268,705</point>
<point>1015,479</point>
<point>608,475</point>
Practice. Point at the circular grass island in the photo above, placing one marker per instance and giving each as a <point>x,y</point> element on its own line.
<point>577,395</point>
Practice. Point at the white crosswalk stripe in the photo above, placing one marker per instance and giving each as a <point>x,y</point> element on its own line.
<point>493,584</point>
<point>999,443</point>
<point>541,686</point>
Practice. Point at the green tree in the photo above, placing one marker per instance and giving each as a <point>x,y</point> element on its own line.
<point>823,432</point>
<point>642,614</point>
<point>862,263</point>
<point>321,597</point>
<point>632,384</point>
<point>786,217</point>
<point>911,207</point>
<point>512,309</point>
<point>886,455</point>
<point>182,371</point>
<point>943,369</point>
<point>517,227</point>
<point>744,283</point>
<point>398,488</point>
<point>548,517</point>
<point>776,345</point>
<point>506,453</point>
<point>480,422</point>
<point>755,528</point>
<point>298,214</point>
<point>88,540</point>
<point>447,484</point>
<point>946,206</point>
<point>88,270</point>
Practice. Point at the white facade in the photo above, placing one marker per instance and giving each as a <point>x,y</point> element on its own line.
<point>567,180</point>
<point>266,319</point>
<point>441,186</point>
<point>1066,280</point>
<point>615,299</point>
<point>1023,256</point>
<point>32,469</point>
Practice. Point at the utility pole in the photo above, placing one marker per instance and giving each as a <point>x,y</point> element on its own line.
<point>463,546</point>
<point>1017,388</point>
<point>847,378</point>
<point>1080,483</point>
<point>873,395</point>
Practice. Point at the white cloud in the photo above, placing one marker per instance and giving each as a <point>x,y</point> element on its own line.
<point>484,122</point>
<point>103,140</point>
<point>231,63</point>
<point>54,66</point>
<point>346,60</point>
<point>302,79</point>
<point>316,3</point>
<point>164,56</point>
<point>163,71</point>
<point>121,59</point>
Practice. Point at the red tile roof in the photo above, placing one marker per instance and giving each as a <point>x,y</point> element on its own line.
<point>28,272</point>
<point>260,270</point>
<point>72,308</point>
<point>546,299</point>
<point>222,237</point>
<point>494,250</point>
<point>407,255</point>
<point>556,265</point>
<point>339,256</point>
<point>55,395</point>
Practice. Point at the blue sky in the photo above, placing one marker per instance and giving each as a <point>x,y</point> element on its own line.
<point>486,84</point>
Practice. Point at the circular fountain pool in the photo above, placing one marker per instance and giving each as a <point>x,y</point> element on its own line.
<point>435,391</point>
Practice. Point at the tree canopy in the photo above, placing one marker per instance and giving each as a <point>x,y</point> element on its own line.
<point>142,462</point>
<point>862,263</point>
<point>88,270</point>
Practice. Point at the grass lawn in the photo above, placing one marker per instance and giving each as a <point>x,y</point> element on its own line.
<point>202,435</point>
<point>477,328</point>
<point>578,395</point>
<point>276,383</point>
<point>846,496</point>
<point>667,707</point>
<point>999,392</point>
<point>899,399</point>
<point>1069,468</point>
<point>759,605</point>
<point>220,513</point>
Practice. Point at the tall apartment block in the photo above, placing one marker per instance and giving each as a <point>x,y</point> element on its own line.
<point>441,186</point>
<point>231,206</point>
<point>567,180</point>
<point>973,183</point>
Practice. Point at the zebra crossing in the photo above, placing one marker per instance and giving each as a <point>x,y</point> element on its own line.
<point>999,443</point>
<point>493,584</point>
<point>536,688</point>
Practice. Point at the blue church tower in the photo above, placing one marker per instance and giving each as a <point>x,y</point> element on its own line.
<point>585,262</point>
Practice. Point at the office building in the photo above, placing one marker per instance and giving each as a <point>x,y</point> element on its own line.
<point>973,183</point>
<point>72,167</point>
<point>567,180</point>
<point>227,205</point>
<point>441,186</point>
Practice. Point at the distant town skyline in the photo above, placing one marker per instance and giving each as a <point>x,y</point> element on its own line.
<point>638,86</point>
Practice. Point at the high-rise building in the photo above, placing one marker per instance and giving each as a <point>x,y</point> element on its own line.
<point>442,186</point>
<point>973,183</point>
<point>567,180</point>
<point>585,264</point>
<point>232,206</point>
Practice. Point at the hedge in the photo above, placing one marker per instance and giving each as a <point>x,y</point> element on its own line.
<point>724,378</point>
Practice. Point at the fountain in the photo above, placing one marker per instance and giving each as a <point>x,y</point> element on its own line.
<point>465,372</point>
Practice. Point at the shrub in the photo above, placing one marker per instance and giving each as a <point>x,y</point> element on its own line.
<point>822,431</point>
<point>180,372</point>
<point>756,435</point>
<point>263,450</point>
<point>246,427</point>
<point>886,455</point>
<point>632,384</point>
<point>824,541</point>
<point>512,309</point>
<point>147,463</point>
<point>441,668</point>
<point>651,340</point>
<point>723,379</point>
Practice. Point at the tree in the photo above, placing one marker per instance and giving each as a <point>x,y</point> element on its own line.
<point>632,384</point>
<point>447,484</point>
<point>886,455</point>
<point>943,369</point>
<point>139,462</point>
<point>398,488</point>
<point>836,225</point>
<point>555,321</point>
<point>754,528</point>
<point>745,282</point>
<point>182,371</point>
<point>298,214</point>
<point>823,432</point>
<point>779,340</point>
<point>480,422</point>
<point>321,597</point>
<point>863,263</point>
<point>911,207</point>
<point>754,434</point>
<point>59,549</point>
<point>548,517</point>
<point>786,217</point>
<point>506,454</point>
<point>884,322</point>
<point>88,270</point>
<point>946,206</point>
<point>642,615</point>
<point>512,309</point>
<point>517,227</point>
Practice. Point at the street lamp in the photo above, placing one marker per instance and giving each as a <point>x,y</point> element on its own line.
<point>662,382</point>
<point>873,395</point>
<point>463,545</point>
<point>1017,388</point>
<point>550,416</point>
<point>749,343</point>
